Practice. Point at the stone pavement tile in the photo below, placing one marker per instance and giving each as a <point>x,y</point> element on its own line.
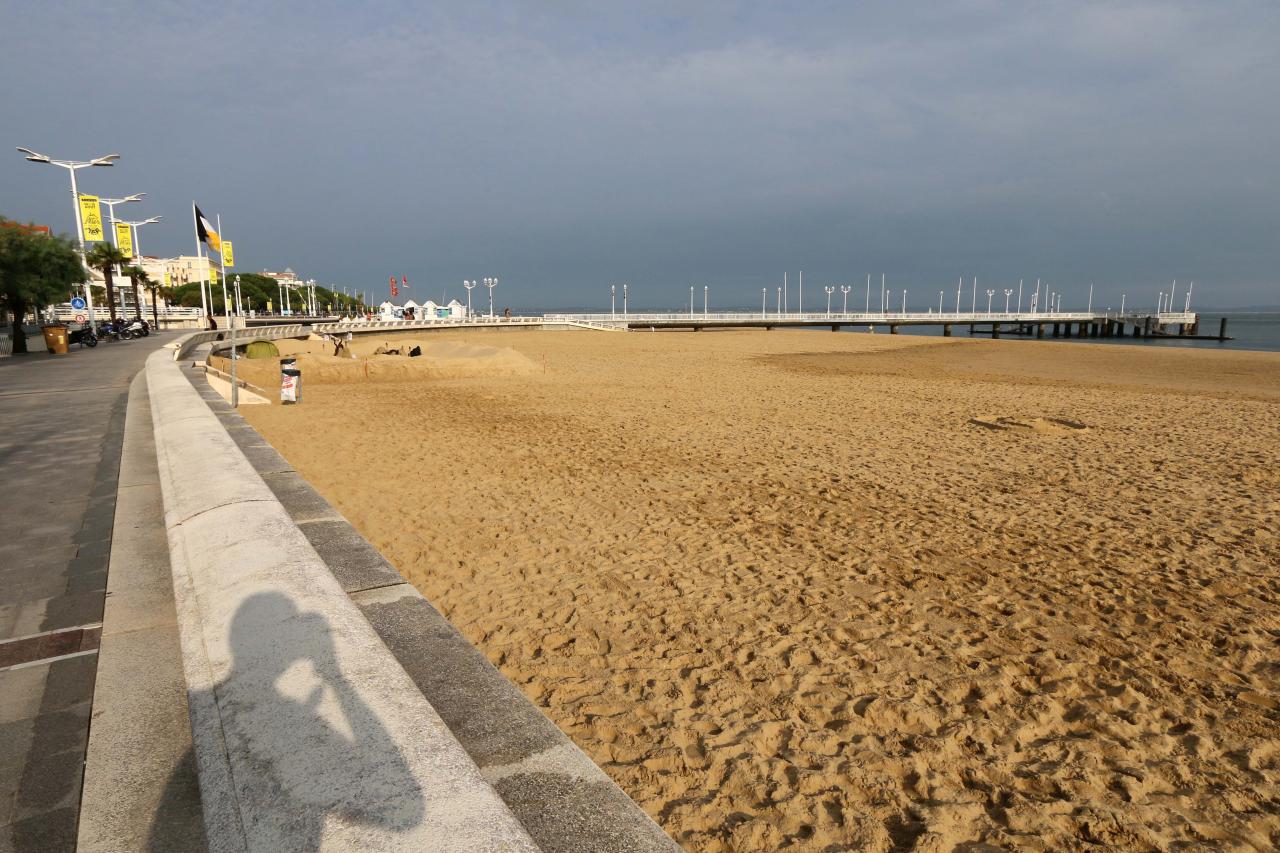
<point>70,681</point>
<point>68,611</point>
<point>264,458</point>
<point>354,562</point>
<point>20,692</point>
<point>301,501</point>
<point>23,618</point>
<point>50,780</point>
<point>51,832</point>
<point>88,582</point>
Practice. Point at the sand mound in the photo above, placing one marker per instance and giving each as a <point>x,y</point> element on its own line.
<point>383,359</point>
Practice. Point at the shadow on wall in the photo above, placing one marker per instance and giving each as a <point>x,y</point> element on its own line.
<point>313,751</point>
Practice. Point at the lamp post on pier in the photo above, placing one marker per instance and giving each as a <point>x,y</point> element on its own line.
<point>624,299</point>
<point>470,286</point>
<point>764,302</point>
<point>613,302</point>
<point>491,283</point>
<point>1007,294</point>
<point>691,302</point>
<point>829,290</point>
<point>939,301</point>
<point>844,290</point>
<point>704,301</point>
<point>990,293</point>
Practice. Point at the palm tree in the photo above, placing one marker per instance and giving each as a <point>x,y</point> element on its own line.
<point>106,257</point>
<point>137,276</point>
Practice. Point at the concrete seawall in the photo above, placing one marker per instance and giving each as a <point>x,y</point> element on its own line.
<point>330,705</point>
<point>306,730</point>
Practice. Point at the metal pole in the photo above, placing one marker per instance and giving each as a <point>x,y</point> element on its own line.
<point>867,310</point>
<point>691,302</point>
<point>613,301</point>
<point>959,287</point>
<point>764,302</point>
<point>973,307</point>
<point>786,301</point>
<point>226,303</point>
<point>204,304</point>
<point>235,389</point>
<point>624,300</point>
<point>88,281</point>
<point>1019,296</point>
<point>800,306</point>
<point>1089,308</point>
<point>844,290</point>
<point>704,301</point>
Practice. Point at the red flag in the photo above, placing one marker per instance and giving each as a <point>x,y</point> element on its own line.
<point>404,281</point>
<point>394,292</point>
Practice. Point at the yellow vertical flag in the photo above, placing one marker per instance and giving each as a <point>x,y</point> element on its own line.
<point>228,256</point>
<point>91,217</point>
<point>124,238</point>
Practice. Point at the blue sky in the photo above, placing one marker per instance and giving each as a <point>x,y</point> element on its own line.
<point>564,146</point>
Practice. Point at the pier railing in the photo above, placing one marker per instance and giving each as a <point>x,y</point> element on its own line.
<point>863,317</point>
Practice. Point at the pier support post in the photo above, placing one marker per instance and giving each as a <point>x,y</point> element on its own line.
<point>1055,330</point>
<point>1039,330</point>
<point>1082,330</point>
<point>1222,329</point>
<point>893,330</point>
<point>1136,329</point>
<point>835,328</point>
<point>946,330</point>
<point>971,328</point>
<point>995,330</point>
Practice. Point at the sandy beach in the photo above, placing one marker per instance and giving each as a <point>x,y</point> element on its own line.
<point>847,591</point>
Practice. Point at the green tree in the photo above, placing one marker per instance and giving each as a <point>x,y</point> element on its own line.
<point>106,257</point>
<point>36,269</point>
<point>137,276</point>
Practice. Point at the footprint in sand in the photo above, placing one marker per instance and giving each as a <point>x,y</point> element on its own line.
<point>1053,426</point>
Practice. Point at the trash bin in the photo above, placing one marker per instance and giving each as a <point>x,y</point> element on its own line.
<point>55,338</point>
<point>290,382</point>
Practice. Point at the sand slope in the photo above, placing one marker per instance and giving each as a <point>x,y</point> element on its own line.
<point>856,592</point>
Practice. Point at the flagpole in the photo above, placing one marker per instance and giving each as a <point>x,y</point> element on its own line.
<point>204,306</point>
<point>226,305</point>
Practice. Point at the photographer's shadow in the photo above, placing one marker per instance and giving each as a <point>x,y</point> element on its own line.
<point>305,748</point>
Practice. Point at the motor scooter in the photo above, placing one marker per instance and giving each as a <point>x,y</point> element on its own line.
<point>136,329</point>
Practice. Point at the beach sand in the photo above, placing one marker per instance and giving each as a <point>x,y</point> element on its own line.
<point>850,591</point>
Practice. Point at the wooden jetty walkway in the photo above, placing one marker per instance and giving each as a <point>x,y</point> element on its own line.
<point>1109,324</point>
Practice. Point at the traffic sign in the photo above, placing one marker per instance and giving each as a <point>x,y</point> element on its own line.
<point>80,318</point>
<point>78,303</point>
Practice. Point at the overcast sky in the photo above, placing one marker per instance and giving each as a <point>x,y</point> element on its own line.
<point>564,146</point>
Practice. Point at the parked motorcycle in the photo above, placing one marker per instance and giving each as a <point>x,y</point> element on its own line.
<point>84,336</point>
<point>136,329</point>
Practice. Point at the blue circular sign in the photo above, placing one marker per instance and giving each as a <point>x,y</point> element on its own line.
<point>78,303</point>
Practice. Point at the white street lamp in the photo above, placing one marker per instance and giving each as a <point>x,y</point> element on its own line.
<point>1007,294</point>
<point>764,302</point>
<point>704,301</point>
<point>939,301</point>
<point>491,283</point>
<point>470,286</point>
<point>71,166</point>
<point>829,290</point>
<point>624,299</point>
<point>990,293</point>
<point>613,302</point>
<point>904,300</point>
<point>137,247</point>
<point>691,302</point>
<point>844,289</point>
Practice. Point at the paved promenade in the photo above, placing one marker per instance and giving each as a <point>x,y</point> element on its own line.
<point>61,426</point>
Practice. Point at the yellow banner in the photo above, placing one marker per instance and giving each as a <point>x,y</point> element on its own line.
<point>124,238</point>
<point>91,217</point>
<point>166,278</point>
<point>228,257</point>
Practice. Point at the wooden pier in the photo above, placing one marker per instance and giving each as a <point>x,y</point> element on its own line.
<point>1182,324</point>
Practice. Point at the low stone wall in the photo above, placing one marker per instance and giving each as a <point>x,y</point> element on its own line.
<point>307,732</point>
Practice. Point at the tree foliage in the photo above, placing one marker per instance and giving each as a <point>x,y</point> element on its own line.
<point>105,258</point>
<point>36,269</point>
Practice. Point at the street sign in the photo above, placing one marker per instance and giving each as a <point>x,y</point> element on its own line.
<point>80,318</point>
<point>78,303</point>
